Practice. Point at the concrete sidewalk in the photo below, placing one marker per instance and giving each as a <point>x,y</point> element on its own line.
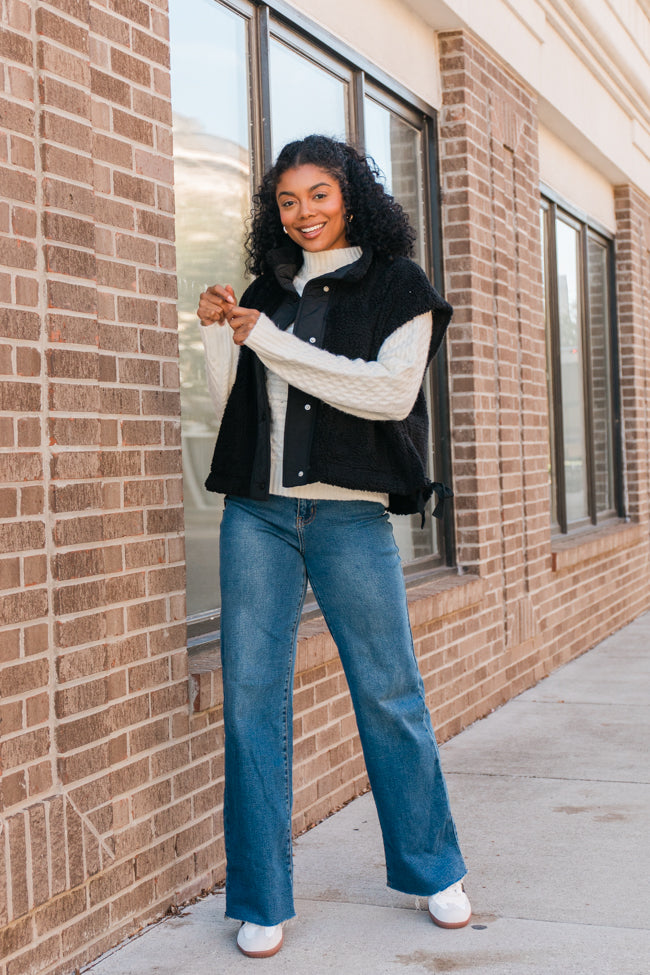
<point>551,795</point>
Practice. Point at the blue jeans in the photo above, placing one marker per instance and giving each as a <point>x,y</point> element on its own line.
<point>346,550</point>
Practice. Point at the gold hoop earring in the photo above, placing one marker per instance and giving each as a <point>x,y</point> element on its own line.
<point>285,230</point>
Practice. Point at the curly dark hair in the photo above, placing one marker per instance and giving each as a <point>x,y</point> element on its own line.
<point>379,220</point>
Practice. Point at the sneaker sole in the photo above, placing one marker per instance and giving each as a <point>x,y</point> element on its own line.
<point>262,954</point>
<point>450,924</point>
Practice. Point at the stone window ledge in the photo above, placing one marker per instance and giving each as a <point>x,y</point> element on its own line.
<point>570,550</point>
<point>445,592</point>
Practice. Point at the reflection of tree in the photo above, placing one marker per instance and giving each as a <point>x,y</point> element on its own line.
<point>568,310</point>
<point>212,181</point>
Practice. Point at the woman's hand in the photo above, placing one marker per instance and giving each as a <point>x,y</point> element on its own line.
<point>218,305</point>
<point>214,303</point>
<point>242,321</point>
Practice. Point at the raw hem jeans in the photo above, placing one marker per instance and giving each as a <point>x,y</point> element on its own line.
<point>346,550</point>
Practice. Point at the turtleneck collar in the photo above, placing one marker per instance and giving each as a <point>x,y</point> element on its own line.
<point>291,264</point>
<point>316,263</point>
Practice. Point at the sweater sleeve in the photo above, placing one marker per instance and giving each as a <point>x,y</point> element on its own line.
<point>221,357</point>
<point>383,389</point>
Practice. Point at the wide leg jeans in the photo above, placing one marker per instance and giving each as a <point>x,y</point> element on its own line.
<point>346,550</point>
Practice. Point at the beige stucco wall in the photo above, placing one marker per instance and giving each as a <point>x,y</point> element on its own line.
<point>587,60</point>
<point>575,180</point>
<point>389,34</point>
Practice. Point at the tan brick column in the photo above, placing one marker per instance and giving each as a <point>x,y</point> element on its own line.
<point>92,639</point>
<point>490,212</point>
<point>633,297</point>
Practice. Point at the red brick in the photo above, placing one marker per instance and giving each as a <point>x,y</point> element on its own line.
<point>36,638</point>
<point>40,778</point>
<point>73,297</point>
<point>132,10</point>
<point>60,910</point>
<point>150,48</point>
<point>28,431</point>
<point>15,936</point>
<point>155,224</point>
<point>13,790</point>
<point>34,570</point>
<point>23,606</point>
<point>133,128</point>
<point>58,94</point>
<point>134,69</point>
<point>9,573</point>
<point>61,30</point>
<point>15,47</point>
<point>70,261</point>
<point>37,959</point>
<point>87,930</point>
<point>9,502</point>
<point>111,88</point>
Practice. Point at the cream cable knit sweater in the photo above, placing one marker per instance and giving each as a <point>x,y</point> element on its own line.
<point>384,389</point>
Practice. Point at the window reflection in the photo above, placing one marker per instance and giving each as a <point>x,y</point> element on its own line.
<point>396,147</point>
<point>305,98</point>
<point>572,369</point>
<point>549,371</point>
<point>601,393</point>
<point>308,91</point>
<point>210,98</point>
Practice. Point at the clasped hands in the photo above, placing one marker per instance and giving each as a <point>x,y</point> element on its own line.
<point>217,305</point>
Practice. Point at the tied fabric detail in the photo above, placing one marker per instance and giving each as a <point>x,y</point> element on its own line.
<point>443,493</point>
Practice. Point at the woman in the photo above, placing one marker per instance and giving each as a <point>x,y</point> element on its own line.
<point>324,428</point>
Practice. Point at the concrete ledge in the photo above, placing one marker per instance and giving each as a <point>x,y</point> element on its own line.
<point>444,593</point>
<point>592,543</point>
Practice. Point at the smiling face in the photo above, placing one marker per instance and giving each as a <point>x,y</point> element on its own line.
<point>311,208</point>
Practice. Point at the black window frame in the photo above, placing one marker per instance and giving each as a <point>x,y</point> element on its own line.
<point>265,18</point>
<point>552,206</point>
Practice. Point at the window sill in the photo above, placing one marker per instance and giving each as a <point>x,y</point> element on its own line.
<point>443,593</point>
<point>570,550</point>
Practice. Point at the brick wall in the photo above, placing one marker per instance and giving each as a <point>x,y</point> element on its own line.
<point>550,600</point>
<point>94,689</point>
<point>633,292</point>
<point>112,771</point>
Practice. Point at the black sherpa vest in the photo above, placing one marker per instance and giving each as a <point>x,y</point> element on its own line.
<point>349,312</point>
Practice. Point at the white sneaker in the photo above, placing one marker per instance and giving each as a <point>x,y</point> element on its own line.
<point>451,907</point>
<point>258,941</point>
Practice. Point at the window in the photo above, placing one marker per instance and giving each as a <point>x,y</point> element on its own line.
<point>581,370</point>
<point>244,82</point>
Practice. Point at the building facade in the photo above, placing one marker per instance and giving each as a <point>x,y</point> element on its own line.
<point>517,136</point>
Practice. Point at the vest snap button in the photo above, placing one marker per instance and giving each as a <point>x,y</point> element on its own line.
<point>307,406</point>
<point>312,340</point>
<point>301,473</point>
<point>326,287</point>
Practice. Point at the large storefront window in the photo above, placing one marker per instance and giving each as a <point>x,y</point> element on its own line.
<point>243,85</point>
<point>212,159</point>
<point>396,145</point>
<point>581,370</point>
<point>308,94</point>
